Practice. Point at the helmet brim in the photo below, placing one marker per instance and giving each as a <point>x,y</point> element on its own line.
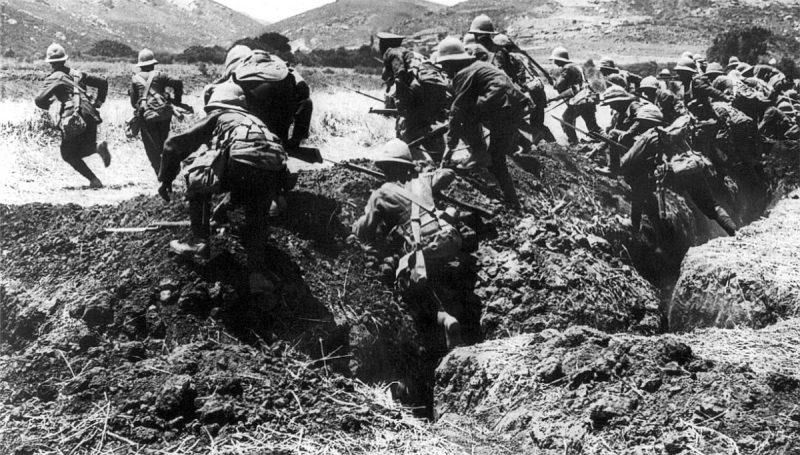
<point>482,32</point>
<point>559,59</point>
<point>685,68</point>
<point>221,105</point>
<point>147,63</point>
<point>56,59</point>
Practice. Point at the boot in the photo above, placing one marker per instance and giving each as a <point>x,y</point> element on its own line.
<point>95,183</point>
<point>724,220</point>
<point>102,150</point>
<point>475,160</point>
<point>452,329</point>
<point>197,250</point>
<point>259,284</point>
<point>277,207</point>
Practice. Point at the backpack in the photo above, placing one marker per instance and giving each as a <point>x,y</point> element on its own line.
<point>204,172</point>
<point>434,86</point>
<point>260,66</point>
<point>689,163</point>
<point>154,106</point>
<point>749,100</point>
<point>251,144</point>
<point>71,118</point>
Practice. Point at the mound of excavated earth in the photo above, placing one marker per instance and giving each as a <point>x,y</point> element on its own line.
<point>750,280</point>
<point>584,391</point>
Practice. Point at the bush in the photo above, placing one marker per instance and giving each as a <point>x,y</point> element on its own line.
<point>363,58</point>
<point>196,54</point>
<point>272,42</point>
<point>750,44</point>
<point>789,67</point>
<point>111,48</point>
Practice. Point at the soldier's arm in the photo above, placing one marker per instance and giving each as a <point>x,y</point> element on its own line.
<point>45,97</point>
<point>463,99</point>
<point>133,92</point>
<point>303,111</point>
<point>99,83</point>
<point>441,179</point>
<point>366,227</point>
<point>179,146</point>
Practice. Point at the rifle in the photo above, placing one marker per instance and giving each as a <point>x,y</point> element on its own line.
<point>551,108</point>
<point>449,199</point>
<point>365,94</point>
<point>592,135</point>
<point>154,226</point>
<point>308,154</point>
<point>384,112</point>
<point>440,131</point>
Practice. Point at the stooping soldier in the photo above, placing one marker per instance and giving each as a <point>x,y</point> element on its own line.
<point>483,96</point>
<point>152,105</point>
<point>665,100</point>
<point>245,159</point>
<point>78,117</point>
<point>403,211</point>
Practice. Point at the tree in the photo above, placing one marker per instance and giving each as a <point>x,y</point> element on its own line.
<point>272,42</point>
<point>746,43</point>
<point>205,54</point>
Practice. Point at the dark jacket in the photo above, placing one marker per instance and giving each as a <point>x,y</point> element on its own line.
<point>669,105</point>
<point>62,91</point>
<point>160,83</point>
<point>482,94</point>
<point>571,77</point>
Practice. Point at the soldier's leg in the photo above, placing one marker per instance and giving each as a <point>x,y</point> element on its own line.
<point>478,154</point>
<point>700,192</point>
<point>74,150</point>
<point>569,117</point>
<point>501,140</point>
<point>153,143</point>
<point>198,246</point>
<point>302,120</point>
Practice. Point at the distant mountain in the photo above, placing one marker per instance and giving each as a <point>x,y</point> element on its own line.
<point>29,26</point>
<point>350,23</point>
<point>624,29</point>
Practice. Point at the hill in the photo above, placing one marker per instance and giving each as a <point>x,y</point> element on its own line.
<point>629,30</point>
<point>29,26</point>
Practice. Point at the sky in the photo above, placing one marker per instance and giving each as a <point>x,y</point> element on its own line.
<point>275,10</point>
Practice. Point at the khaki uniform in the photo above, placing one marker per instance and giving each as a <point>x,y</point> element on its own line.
<point>154,133</point>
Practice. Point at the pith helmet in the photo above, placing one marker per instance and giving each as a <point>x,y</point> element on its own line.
<point>733,62</point>
<point>235,56</point>
<point>388,41</point>
<point>395,152</point>
<point>714,68</point>
<point>773,61</point>
<point>482,25</point>
<point>607,63</point>
<point>146,58</point>
<point>665,74</point>
<point>649,82</point>
<point>650,113</point>
<point>469,38</point>
<point>614,94</point>
<point>56,53</point>
<point>617,79</point>
<point>560,54</point>
<point>786,107</point>
<point>686,64</point>
<point>227,95</point>
<point>451,49</point>
<point>687,54</point>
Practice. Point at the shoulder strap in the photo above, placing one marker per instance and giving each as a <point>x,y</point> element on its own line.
<point>415,200</point>
<point>147,84</point>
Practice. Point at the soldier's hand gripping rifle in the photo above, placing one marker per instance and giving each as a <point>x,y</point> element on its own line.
<point>449,199</point>
<point>436,132</point>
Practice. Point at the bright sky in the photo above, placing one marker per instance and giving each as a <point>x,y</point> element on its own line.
<point>275,10</point>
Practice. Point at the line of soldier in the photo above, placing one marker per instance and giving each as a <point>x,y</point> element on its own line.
<point>481,82</point>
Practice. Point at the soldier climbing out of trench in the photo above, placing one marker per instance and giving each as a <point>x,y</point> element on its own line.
<point>581,100</point>
<point>78,117</point>
<point>152,105</point>
<point>403,211</point>
<point>245,159</point>
<point>483,96</point>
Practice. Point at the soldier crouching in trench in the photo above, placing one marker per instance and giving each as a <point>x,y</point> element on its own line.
<point>403,211</point>
<point>245,159</point>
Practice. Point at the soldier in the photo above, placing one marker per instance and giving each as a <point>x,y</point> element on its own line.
<point>405,206</point>
<point>483,95</point>
<point>422,97</point>
<point>245,159</point>
<point>573,86</point>
<point>643,167</point>
<point>78,116</point>
<point>474,49</point>
<point>700,63</point>
<point>668,82</point>
<point>780,123</point>
<point>697,87</point>
<point>483,30</point>
<point>665,100</point>
<point>608,67</point>
<point>152,105</point>
<point>387,41</point>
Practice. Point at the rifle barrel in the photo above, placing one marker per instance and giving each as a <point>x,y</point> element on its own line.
<point>590,134</point>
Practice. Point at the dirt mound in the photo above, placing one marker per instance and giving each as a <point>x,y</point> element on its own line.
<point>583,391</point>
<point>750,280</point>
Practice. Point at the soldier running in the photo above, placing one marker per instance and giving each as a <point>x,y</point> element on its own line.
<point>78,116</point>
<point>152,105</point>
